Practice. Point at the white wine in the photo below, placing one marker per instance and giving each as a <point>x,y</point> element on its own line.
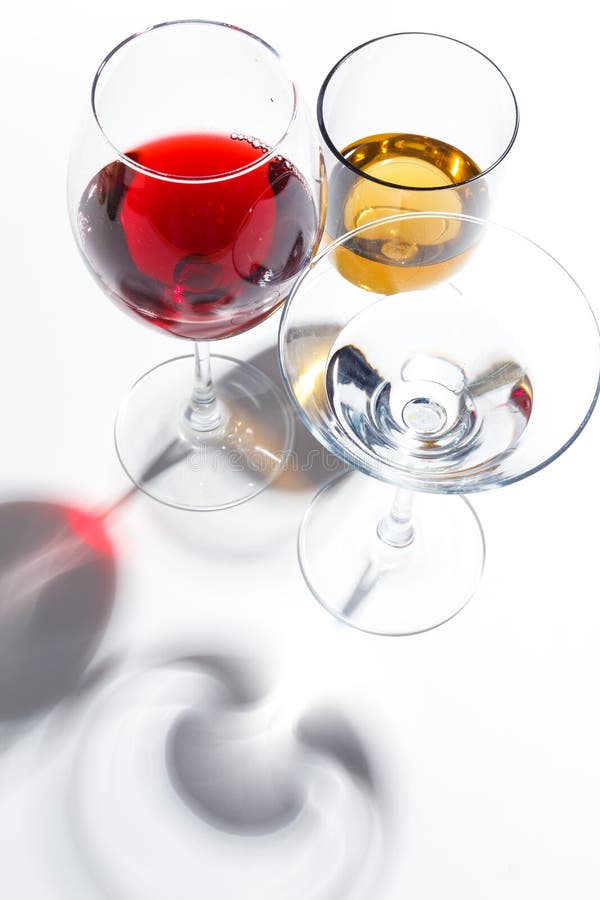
<point>388,174</point>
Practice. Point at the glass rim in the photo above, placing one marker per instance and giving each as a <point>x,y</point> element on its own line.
<point>336,152</point>
<point>406,478</point>
<point>191,179</point>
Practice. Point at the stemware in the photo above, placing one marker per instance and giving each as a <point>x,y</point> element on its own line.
<point>472,384</point>
<point>412,122</point>
<point>195,194</point>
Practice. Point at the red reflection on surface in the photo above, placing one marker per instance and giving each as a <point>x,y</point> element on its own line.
<point>523,399</point>
<point>90,529</point>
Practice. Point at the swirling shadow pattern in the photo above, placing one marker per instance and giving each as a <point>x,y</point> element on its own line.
<point>193,755</point>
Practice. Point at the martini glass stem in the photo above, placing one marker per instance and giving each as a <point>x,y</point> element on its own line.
<point>396,529</point>
<point>202,412</point>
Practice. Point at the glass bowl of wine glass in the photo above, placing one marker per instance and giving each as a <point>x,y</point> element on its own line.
<point>195,193</point>
<point>438,388</point>
<point>412,122</point>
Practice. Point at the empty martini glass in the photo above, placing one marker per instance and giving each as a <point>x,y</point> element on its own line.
<point>434,387</point>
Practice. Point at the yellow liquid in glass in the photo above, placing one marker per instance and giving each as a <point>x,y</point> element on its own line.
<point>413,174</point>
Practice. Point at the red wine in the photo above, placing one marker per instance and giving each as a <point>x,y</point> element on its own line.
<point>205,259</point>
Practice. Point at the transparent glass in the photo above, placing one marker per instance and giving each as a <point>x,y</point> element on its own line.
<point>195,194</point>
<point>470,384</point>
<point>413,123</point>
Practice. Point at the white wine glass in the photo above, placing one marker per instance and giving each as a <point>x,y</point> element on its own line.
<point>412,122</point>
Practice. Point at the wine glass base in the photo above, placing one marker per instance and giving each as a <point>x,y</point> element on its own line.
<point>382,589</point>
<point>210,470</point>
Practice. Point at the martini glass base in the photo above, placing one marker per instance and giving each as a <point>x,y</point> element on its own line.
<point>375,587</point>
<point>206,470</point>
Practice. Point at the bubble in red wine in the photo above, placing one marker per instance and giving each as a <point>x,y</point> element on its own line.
<point>253,141</point>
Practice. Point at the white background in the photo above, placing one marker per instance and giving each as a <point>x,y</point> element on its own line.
<point>486,730</point>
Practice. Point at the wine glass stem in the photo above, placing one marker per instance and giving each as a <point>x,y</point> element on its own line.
<point>396,529</point>
<point>202,412</point>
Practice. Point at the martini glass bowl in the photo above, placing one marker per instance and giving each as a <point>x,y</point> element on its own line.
<point>434,388</point>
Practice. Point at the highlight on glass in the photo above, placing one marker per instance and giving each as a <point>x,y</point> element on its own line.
<point>195,194</point>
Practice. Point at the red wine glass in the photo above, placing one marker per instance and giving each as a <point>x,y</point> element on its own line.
<point>195,193</point>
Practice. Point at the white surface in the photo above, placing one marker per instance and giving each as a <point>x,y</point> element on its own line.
<point>486,731</point>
